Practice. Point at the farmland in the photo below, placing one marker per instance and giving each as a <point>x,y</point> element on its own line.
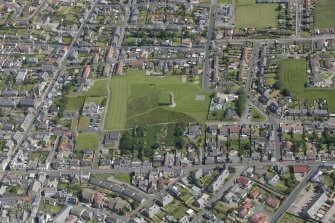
<point>137,99</point>
<point>252,15</point>
<point>325,16</point>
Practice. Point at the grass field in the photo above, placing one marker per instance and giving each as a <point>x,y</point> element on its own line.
<point>288,218</point>
<point>252,15</point>
<point>87,141</point>
<point>293,76</point>
<point>84,122</point>
<point>325,16</point>
<point>123,177</point>
<point>137,99</point>
<point>257,116</point>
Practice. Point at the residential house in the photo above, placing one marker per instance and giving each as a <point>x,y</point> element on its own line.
<point>152,211</point>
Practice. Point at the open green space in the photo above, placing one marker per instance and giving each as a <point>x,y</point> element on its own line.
<point>124,177</point>
<point>293,76</point>
<point>87,141</point>
<point>252,15</point>
<point>84,122</point>
<point>137,99</point>
<point>257,116</point>
<point>325,16</point>
<point>286,218</point>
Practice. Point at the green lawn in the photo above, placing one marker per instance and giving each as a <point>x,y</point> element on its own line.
<point>293,76</point>
<point>84,122</point>
<point>288,218</point>
<point>87,141</point>
<point>55,209</point>
<point>257,116</point>
<point>98,89</point>
<point>97,100</point>
<point>137,99</point>
<point>74,103</point>
<point>252,15</point>
<point>123,177</point>
<point>325,16</point>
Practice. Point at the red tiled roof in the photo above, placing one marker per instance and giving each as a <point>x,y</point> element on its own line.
<point>300,169</point>
<point>243,180</point>
<point>272,202</point>
<point>254,193</point>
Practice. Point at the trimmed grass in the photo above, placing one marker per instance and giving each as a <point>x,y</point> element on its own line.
<point>137,99</point>
<point>257,116</point>
<point>291,218</point>
<point>98,89</point>
<point>325,16</point>
<point>293,76</point>
<point>123,177</point>
<point>52,208</point>
<point>84,122</point>
<point>252,15</point>
<point>74,124</point>
<point>97,100</point>
<point>87,141</point>
<point>74,103</point>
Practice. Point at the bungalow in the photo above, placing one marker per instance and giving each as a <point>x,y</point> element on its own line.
<point>224,131</point>
<point>234,130</point>
<point>244,209</point>
<point>254,194</point>
<point>286,128</point>
<point>258,219</point>
<point>244,181</point>
<point>298,129</point>
<point>300,170</point>
<point>272,202</point>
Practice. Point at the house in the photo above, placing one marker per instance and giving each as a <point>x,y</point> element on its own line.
<point>112,138</point>
<point>201,201</point>
<point>87,72</point>
<point>273,180</point>
<point>244,181</point>
<point>90,108</point>
<point>152,211</point>
<point>219,180</point>
<point>234,130</point>
<point>224,131</point>
<point>286,128</point>
<point>21,76</point>
<point>272,202</point>
<point>244,209</point>
<point>35,188</point>
<point>165,200</point>
<point>300,170</point>
<point>258,219</point>
<point>298,129</point>
<point>254,194</point>
<point>212,129</point>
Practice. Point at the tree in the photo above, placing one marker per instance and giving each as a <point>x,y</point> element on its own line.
<point>276,85</point>
<point>241,101</point>
<point>286,93</point>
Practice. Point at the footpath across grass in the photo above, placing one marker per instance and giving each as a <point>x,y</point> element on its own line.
<point>137,99</point>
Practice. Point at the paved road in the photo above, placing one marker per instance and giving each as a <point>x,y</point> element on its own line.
<point>211,24</point>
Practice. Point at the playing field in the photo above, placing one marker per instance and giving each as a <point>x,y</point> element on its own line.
<point>325,16</point>
<point>252,15</point>
<point>293,76</point>
<point>137,99</point>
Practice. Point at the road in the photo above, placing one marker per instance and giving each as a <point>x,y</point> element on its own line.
<point>298,20</point>
<point>210,30</point>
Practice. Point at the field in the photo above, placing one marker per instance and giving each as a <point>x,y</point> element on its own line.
<point>325,16</point>
<point>137,99</point>
<point>287,218</point>
<point>123,177</point>
<point>293,76</point>
<point>252,15</point>
<point>87,141</point>
<point>257,116</point>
